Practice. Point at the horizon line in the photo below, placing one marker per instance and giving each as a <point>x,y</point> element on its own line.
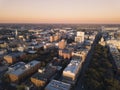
<point>54,23</point>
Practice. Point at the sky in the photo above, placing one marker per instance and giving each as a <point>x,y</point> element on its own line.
<point>60,11</point>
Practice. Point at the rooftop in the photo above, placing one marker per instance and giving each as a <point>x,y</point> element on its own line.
<point>57,85</point>
<point>45,75</point>
<point>15,66</point>
<point>16,54</point>
<point>66,50</point>
<point>73,66</point>
<point>24,67</point>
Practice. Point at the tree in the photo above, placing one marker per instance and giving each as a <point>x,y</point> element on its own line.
<point>100,75</point>
<point>20,87</point>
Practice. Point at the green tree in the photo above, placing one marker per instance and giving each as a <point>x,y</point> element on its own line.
<point>20,87</point>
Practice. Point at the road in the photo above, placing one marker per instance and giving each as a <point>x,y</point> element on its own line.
<point>79,85</point>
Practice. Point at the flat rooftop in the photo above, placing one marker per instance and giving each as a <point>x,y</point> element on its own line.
<point>16,54</point>
<point>45,75</point>
<point>73,66</point>
<point>24,68</point>
<point>57,85</point>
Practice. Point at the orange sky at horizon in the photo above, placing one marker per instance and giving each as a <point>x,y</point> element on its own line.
<point>59,11</point>
<point>24,20</point>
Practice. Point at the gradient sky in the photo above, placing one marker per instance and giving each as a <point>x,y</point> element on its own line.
<point>59,11</point>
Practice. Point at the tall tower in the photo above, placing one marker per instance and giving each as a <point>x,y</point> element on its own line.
<point>16,33</point>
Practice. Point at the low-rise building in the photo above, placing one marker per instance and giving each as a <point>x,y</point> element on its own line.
<point>3,44</point>
<point>40,78</point>
<point>55,37</point>
<point>13,57</point>
<point>3,51</point>
<point>57,85</point>
<point>20,72</point>
<point>71,72</point>
<point>65,53</point>
<point>82,53</point>
<point>15,66</point>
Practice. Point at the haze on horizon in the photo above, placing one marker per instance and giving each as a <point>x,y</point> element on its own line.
<point>60,11</point>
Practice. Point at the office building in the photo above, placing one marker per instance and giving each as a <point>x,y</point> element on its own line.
<point>22,71</point>
<point>81,53</point>
<point>15,66</point>
<point>54,37</point>
<point>62,44</point>
<point>71,72</point>
<point>65,53</point>
<point>13,57</point>
<point>79,37</point>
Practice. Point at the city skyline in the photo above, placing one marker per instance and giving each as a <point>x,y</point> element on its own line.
<point>60,11</point>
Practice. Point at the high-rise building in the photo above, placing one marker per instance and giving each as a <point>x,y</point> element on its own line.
<point>79,37</point>
<point>62,44</point>
<point>16,33</point>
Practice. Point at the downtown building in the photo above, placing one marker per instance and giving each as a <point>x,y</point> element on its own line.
<point>14,57</point>
<point>79,37</point>
<point>65,53</point>
<point>62,44</point>
<point>20,70</point>
<point>71,72</point>
<point>43,76</point>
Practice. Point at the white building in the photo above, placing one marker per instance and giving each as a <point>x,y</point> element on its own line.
<point>79,37</point>
<point>71,72</point>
